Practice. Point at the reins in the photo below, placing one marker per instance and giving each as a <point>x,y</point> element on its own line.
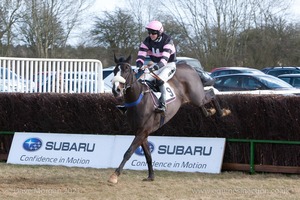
<point>131,83</point>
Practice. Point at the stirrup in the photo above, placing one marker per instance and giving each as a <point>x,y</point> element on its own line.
<point>122,109</point>
<point>161,108</point>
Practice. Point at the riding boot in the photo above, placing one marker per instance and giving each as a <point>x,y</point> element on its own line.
<point>122,109</point>
<point>162,100</point>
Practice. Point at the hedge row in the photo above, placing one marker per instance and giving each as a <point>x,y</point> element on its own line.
<point>269,117</point>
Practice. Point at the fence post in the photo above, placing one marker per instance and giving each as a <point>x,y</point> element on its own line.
<point>252,147</point>
<point>252,156</point>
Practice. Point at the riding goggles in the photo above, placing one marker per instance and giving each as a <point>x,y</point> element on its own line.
<point>152,32</point>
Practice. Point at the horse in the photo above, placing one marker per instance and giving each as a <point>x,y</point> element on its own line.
<point>141,115</point>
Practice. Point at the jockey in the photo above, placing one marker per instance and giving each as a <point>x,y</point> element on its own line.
<point>161,50</point>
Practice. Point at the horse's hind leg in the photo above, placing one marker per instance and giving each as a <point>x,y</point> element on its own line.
<point>207,113</point>
<point>147,153</point>
<point>138,140</point>
<point>210,96</point>
<point>216,104</point>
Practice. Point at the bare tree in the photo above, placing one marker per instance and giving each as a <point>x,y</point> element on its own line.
<point>48,24</point>
<point>9,14</point>
<point>117,32</point>
<point>143,11</point>
<point>212,26</point>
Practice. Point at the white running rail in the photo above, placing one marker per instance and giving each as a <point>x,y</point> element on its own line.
<point>30,75</point>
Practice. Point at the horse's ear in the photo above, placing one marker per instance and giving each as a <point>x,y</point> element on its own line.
<point>128,60</point>
<point>116,60</point>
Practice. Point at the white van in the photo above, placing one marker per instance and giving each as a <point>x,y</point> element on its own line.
<point>11,82</point>
<point>107,77</point>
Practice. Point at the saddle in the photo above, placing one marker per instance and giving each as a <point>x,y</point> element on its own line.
<point>151,84</point>
<point>155,92</point>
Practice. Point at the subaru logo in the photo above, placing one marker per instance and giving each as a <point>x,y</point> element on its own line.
<point>139,151</point>
<point>32,144</point>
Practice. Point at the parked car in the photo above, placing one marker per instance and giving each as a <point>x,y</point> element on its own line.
<point>249,82</point>
<point>108,72</point>
<point>11,82</point>
<point>233,70</point>
<point>8,80</point>
<point>43,79</point>
<point>71,82</point>
<point>292,79</point>
<point>190,61</point>
<point>107,77</point>
<point>276,71</point>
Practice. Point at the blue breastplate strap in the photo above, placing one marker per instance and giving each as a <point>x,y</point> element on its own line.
<point>136,102</point>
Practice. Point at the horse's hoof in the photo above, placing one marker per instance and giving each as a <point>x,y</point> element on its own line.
<point>211,111</point>
<point>113,178</point>
<point>148,179</point>
<point>226,112</point>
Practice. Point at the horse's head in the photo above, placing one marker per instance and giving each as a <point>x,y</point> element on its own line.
<point>123,75</point>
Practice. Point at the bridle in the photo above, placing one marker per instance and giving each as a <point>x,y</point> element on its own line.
<point>128,83</point>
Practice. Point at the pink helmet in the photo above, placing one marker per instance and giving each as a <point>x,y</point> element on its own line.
<point>155,25</point>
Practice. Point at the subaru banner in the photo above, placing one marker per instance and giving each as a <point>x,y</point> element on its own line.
<point>186,154</point>
<point>60,149</point>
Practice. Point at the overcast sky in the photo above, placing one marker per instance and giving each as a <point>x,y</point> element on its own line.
<point>295,8</point>
<point>110,5</point>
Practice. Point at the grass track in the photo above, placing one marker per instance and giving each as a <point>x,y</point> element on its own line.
<point>57,182</point>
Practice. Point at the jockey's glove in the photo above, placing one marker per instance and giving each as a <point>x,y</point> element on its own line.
<point>152,69</point>
<point>140,70</point>
<point>139,64</point>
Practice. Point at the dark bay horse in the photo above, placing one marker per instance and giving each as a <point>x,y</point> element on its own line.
<point>141,115</point>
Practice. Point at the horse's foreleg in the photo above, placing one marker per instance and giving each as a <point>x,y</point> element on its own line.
<point>134,145</point>
<point>147,153</point>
